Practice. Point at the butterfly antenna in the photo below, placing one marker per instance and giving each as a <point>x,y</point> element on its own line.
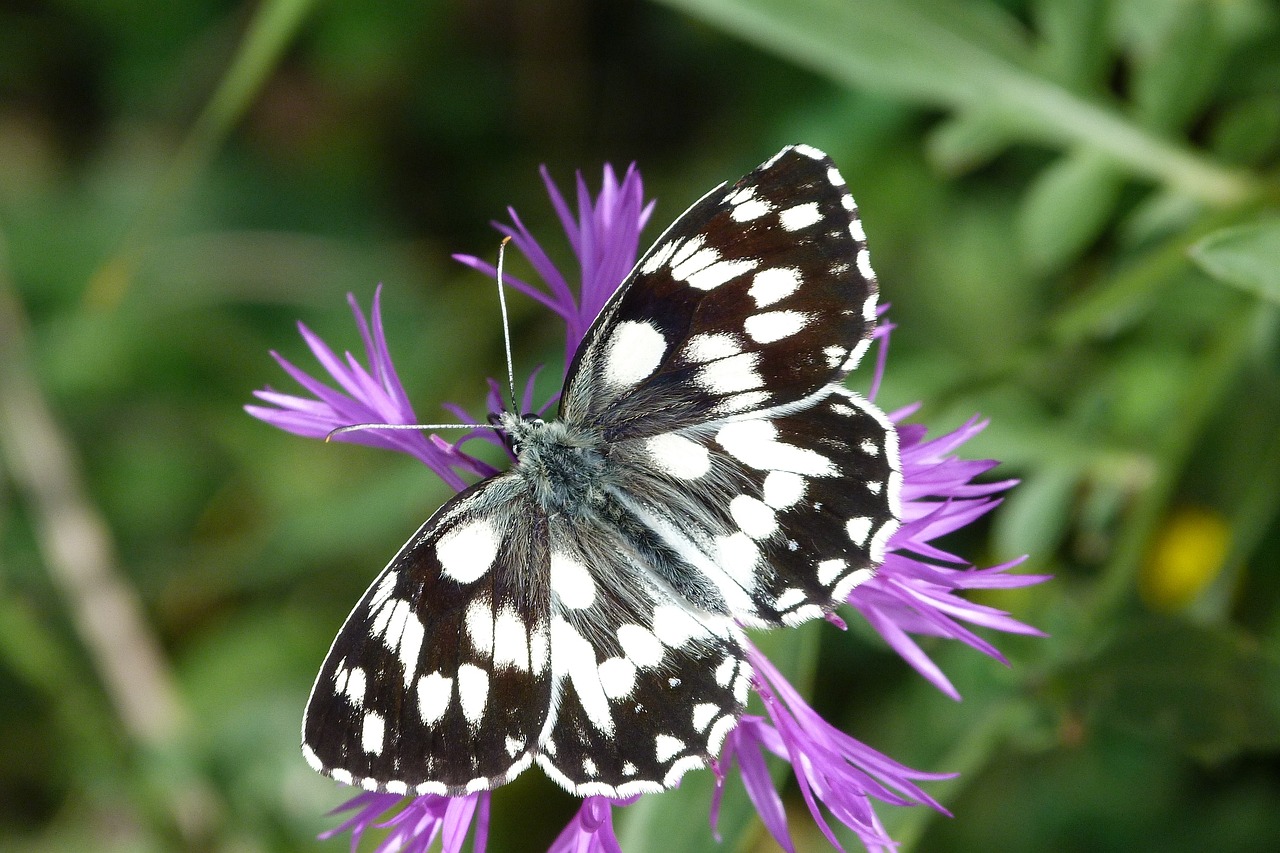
<point>506,326</point>
<point>354,427</point>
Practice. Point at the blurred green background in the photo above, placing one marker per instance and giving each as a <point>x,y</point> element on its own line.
<point>1074,209</point>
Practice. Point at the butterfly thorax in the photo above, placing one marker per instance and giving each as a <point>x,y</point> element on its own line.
<point>563,466</point>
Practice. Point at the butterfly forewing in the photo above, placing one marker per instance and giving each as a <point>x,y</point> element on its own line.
<point>439,681</point>
<point>759,295</point>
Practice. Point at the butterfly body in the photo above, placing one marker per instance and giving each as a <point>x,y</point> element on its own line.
<point>708,471</point>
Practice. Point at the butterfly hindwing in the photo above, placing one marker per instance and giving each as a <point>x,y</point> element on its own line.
<point>761,294</point>
<point>646,686</point>
<point>781,513</point>
<point>439,681</point>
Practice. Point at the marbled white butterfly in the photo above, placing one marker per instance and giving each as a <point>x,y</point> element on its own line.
<point>708,471</point>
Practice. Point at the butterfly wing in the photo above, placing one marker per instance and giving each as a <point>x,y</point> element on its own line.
<point>646,687</point>
<point>779,516</point>
<point>714,376</point>
<point>760,295</point>
<point>439,681</point>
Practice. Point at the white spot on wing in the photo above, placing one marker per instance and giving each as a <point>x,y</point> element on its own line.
<point>829,570</point>
<point>749,210</point>
<point>724,672</point>
<point>730,375</point>
<point>856,354</point>
<point>773,284</point>
<point>861,576</point>
<point>808,151</point>
<point>571,582</point>
<point>473,692</point>
<point>880,542</point>
<point>675,627</point>
<point>709,347</point>
<point>755,443</point>
<point>617,677</point>
<point>572,656</point>
<point>790,598</point>
<point>479,622</point>
<point>800,216</point>
<point>634,351</point>
<point>703,714</point>
<point>714,275</point>
<point>658,258</point>
<point>859,529</point>
<point>686,263</point>
<point>783,489</point>
<point>510,640</point>
<point>864,263</point>
<point>372,733</point>
<point>351,683</point>
<point>383,592</point>
<point>739,555</point>
<point>774,325</point>
<point>678,456</point>
<point>434,693</point>
<point>640,645</point>
<point>753,517</point>
<point>466,552</point>
<point>688,248</point>
<point>681,767</point>
<point>667,747</point>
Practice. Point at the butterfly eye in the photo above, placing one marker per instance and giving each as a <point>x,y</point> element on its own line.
<point>531,418</point>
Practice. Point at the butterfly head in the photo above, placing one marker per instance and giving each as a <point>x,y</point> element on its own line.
<point>515,429</point>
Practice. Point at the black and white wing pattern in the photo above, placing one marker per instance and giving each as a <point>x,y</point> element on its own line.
<point>708,471</point>
<point>440,680</point>
<point>714,377</point>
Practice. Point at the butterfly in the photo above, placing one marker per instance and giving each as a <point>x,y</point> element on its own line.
<point>708,472</point>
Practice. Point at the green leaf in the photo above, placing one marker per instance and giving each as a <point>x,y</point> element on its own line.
<point>1067,207</point>
<point>965,56</point>
<point>967,140</point>
<point>1245,256</point>
<point>1173,79</point>
<point>1073,47</point>
<point>1036,515</point>
<point>1207,689</point>
<point>1248,131</point>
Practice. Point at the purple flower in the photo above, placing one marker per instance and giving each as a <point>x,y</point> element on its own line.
<point>416,826</point>
<point>605,237</point>
<point>591,830</point>
<point>830,767</point>
<point>915,592</point>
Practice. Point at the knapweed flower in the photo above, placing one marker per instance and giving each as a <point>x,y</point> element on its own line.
<point>917,590</point>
